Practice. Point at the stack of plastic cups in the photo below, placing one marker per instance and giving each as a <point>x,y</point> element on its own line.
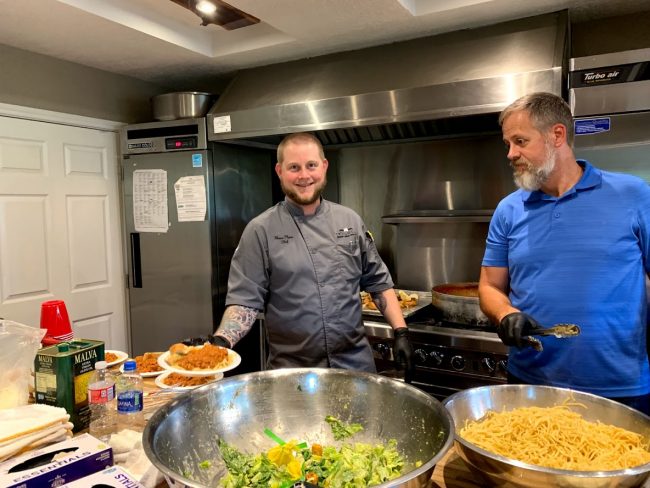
<point>55,320</point>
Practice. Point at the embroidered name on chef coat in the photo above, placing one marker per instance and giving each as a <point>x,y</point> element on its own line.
<point>345,232</point>
<point>285,238</point>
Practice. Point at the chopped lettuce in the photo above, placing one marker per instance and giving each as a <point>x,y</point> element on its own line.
<point>342,430</point>
<point>355,465</point>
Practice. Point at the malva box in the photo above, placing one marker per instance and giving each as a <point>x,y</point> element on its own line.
<point>114,477</point>
<point>75,458</point>
<point>62,373</point>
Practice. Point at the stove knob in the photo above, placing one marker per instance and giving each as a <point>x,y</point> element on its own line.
<point>420,356</point>
<point>503,365</point>
<point>458,363</point>
<point>383,350</point>
<point>437,358</point>
<point>490,364</point>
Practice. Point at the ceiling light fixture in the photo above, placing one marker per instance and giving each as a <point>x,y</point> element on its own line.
<point>206,7</point>
<point>218,13</point>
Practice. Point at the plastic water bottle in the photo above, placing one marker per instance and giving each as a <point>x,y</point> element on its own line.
<point>101,400</point>
<point>129,399</point>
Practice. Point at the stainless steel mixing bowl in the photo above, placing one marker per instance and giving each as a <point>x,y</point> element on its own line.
<point>474,403</point>
<point>293,403</point>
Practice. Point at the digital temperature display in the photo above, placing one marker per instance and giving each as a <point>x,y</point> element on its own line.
<point>189,142</point>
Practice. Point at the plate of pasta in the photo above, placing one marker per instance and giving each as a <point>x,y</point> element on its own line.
<point>147,365</point>
<point>113,358</point>
<point>169,379</point>
<point>204,360</point>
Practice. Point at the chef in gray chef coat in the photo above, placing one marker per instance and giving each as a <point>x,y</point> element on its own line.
<point>303,263</point>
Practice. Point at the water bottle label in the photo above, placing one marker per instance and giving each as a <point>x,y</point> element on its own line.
<point>129,401</point>
<point>101,395</point>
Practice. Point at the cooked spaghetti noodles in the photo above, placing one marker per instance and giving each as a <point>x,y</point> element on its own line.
<point>556,437</point>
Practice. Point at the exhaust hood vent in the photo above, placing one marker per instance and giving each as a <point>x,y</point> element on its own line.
<point>436,86</point>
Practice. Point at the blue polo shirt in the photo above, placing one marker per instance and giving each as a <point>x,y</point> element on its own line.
<point>580,258</point>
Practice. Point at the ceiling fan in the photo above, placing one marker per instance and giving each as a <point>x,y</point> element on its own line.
<point>218,13</point>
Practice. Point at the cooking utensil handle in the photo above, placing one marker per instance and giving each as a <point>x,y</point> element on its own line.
<point>136,263</point>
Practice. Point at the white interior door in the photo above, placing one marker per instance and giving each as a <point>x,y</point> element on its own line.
<point>60,227</point>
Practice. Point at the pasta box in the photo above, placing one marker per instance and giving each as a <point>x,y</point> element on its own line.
<point>56,464</point>
<point>62,372</point>
<point>114,477</point>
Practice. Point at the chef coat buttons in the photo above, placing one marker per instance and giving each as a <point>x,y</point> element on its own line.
<point>556,215</point>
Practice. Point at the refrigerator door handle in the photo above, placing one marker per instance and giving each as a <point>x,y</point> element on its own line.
<point>136,265</point>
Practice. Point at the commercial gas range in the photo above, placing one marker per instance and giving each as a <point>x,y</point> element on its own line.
<point>449,357</point>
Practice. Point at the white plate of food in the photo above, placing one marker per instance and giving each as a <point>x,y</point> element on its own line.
<point>147,365</point>
<point>113,358</point>
<point>192,360</point>
<point>177,381</point>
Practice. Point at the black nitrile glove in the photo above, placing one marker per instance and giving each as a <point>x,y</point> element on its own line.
<point>212,339</point>
<point>403,351</point>
<point>515,327</point>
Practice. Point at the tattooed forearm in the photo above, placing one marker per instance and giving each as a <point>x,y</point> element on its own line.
<point>236,322</point>
<point>380,300</point>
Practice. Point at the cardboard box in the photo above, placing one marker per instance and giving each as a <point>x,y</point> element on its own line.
<point>76,458</point>
<point>114,477</point>
<point>62,373</point>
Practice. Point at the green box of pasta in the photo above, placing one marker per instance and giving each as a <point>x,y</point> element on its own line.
<point>62,373</point>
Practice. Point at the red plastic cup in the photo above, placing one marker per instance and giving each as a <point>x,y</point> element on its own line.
<point>54,319</point>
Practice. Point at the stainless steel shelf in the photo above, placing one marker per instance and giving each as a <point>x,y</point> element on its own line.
<point>438,216</point>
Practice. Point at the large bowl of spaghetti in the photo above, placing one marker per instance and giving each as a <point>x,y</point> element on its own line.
<point>541,436</point>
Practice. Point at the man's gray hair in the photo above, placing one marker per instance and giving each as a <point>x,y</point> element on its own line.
<point>299,138</point>
<point>545,110</point>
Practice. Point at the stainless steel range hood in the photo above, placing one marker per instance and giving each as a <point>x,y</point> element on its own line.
<point>406,90</point>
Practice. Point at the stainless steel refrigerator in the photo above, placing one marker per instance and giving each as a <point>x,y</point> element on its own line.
<point>610,98</point>
<point>186,202</point>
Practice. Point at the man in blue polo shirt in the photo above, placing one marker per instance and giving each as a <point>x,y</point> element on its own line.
<point>571,245</point>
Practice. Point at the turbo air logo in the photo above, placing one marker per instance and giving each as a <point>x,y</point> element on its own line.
<point>601,76</point>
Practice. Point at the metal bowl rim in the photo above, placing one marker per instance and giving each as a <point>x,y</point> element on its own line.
<point>186,396</point>
<point>641,469</point>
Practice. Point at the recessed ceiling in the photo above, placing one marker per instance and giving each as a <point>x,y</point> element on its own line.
<point>161,42</point>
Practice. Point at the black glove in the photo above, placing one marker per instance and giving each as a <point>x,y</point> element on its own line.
<point>514,328</point>
<point>403,351</point>
<point>212,339</point>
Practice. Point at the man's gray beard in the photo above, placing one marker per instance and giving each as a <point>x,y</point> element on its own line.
<point>532,178</point>
<point>302,200</point>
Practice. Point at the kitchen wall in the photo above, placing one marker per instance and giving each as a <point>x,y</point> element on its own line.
<point>457,174</point>
<point>34,80</point>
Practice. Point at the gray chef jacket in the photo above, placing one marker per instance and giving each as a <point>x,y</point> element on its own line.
<point>305,272</point>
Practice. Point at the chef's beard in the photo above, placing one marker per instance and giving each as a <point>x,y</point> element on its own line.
<point>533,177</point>
<point>303,200</point>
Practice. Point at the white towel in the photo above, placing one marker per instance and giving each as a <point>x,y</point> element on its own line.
<point>129,455</point>
<point>20,421</point>
<point>39,438</point>
<point>38,434</point>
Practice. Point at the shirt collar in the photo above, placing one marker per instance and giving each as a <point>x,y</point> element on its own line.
<point>297,211</point>
<point>591,177</point>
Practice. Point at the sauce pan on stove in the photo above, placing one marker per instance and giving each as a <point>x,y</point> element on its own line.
<point>458,303</point>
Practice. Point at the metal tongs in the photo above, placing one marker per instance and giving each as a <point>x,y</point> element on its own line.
<point>559,331</point>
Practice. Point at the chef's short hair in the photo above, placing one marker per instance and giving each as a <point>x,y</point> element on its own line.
<point>299,138</point>
<point>545,110</point>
